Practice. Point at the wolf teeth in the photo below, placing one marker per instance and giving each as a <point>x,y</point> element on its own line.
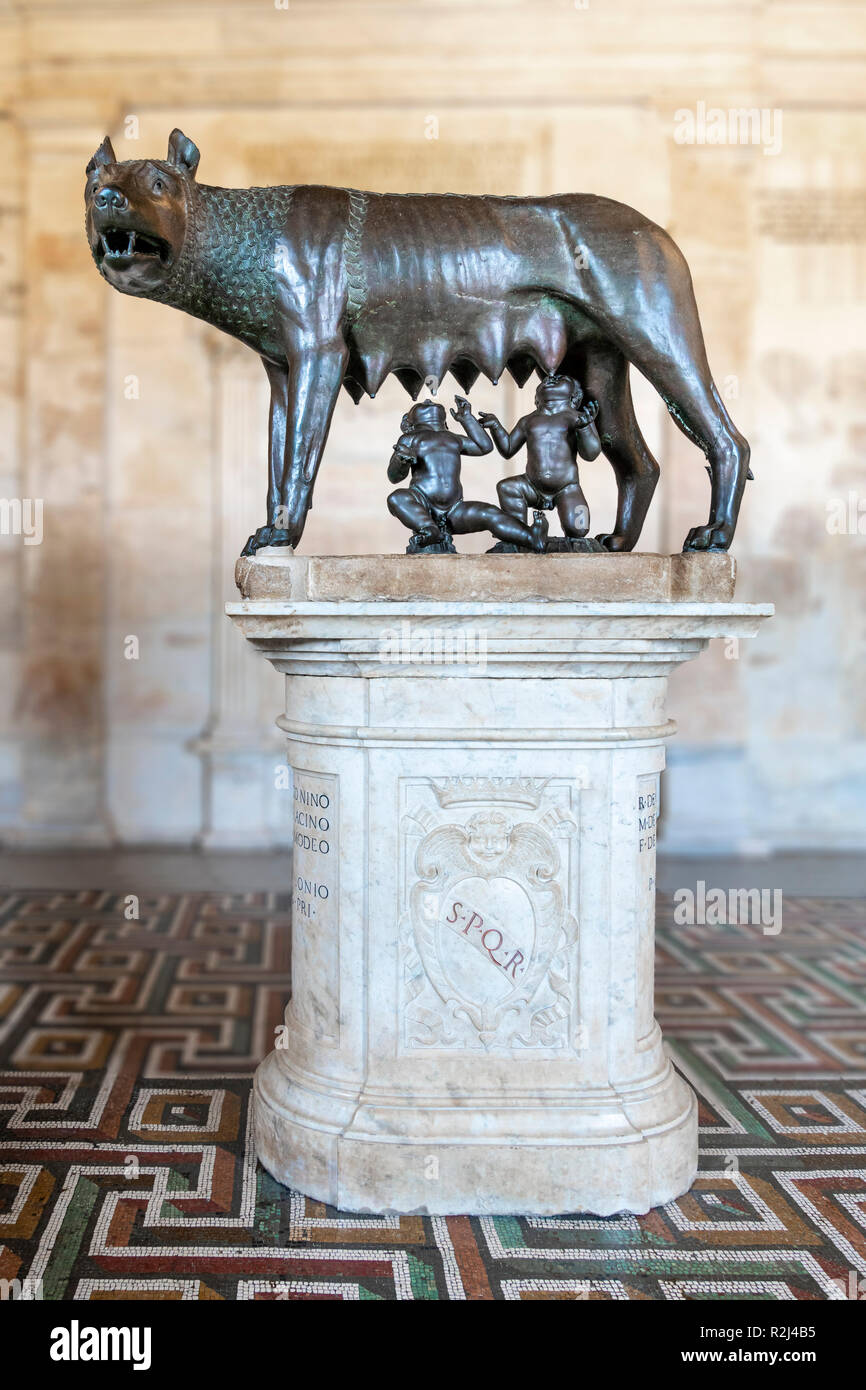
<point>137,243</point>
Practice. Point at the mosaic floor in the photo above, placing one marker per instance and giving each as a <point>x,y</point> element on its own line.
<point>127,1049</point>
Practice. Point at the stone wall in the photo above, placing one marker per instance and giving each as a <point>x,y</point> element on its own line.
<point>142,432</point>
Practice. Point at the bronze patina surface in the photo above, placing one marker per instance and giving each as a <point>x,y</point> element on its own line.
<point>334,287</point>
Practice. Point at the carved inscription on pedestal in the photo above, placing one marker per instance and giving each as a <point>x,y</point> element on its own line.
<point>315,872</point>
<point>646,816</point>
<point>489,877</point>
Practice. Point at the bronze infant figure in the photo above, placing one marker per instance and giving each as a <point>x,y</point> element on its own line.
<point>558,430</point>
<point>433,506</point>
<point>334,287</point>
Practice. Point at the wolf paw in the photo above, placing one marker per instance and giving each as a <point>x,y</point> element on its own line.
<point>709,537</point>
<point>266,535</point>
<point>613,541</point>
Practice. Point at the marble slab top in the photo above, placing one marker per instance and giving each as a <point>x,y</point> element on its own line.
<point>278,575</point>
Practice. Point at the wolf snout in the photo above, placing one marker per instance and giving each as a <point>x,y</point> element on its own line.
<point>110,199</point>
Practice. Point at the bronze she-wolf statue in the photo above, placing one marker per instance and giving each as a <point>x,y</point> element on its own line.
<point>333,288</point>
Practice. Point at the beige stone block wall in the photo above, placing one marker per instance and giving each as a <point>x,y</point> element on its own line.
<point>143,432</point>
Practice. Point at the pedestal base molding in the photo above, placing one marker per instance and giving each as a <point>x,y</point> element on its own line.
<point>475,796</point>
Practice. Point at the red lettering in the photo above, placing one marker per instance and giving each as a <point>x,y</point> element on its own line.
<point>474,921</point>
<point>512,964</point>
<point>491,931</point>
<point>454,907</point>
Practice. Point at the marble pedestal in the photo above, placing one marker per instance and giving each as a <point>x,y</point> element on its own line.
<point>476,744</point>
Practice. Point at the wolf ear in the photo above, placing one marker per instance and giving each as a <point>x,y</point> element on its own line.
<point>183,153</point>
<point>104,155</point>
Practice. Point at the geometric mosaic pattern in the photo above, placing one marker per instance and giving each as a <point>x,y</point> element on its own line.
<point>126,1055</point>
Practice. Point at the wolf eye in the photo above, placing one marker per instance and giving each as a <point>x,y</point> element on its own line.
<point>158,185</point>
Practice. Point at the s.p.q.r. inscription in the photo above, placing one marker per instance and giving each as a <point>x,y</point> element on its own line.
<point>487,937</point>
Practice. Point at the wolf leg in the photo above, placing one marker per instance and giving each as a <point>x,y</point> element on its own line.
<point>666,344</point>
<point>314,383</point>
<point>653,321</point>
<point>606,380</point>
<point>272,533</point>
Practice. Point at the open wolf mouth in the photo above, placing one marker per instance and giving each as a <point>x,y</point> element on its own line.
<point>122,243</point>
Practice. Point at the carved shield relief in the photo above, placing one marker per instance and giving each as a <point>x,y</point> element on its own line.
<point>487,931</point>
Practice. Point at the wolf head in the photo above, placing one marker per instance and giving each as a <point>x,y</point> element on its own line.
<point>138,212</point>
